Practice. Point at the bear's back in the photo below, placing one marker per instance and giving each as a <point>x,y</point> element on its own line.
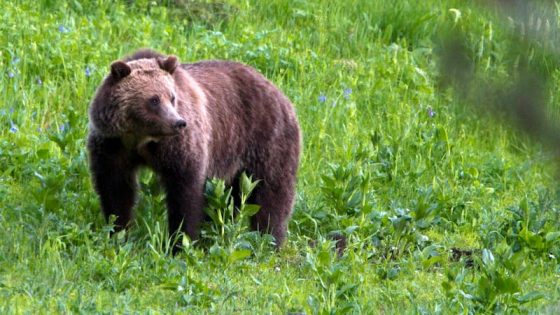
<point>246,110</point>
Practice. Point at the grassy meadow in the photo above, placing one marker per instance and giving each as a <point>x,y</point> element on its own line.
<point>446,206</point>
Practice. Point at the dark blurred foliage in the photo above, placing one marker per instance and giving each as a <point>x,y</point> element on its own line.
<point>524,96</point>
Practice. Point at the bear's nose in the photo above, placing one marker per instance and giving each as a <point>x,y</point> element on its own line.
<point>180,124</point>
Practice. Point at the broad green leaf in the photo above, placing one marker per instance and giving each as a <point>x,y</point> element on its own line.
<point>251,209</point>
<point>529,297</point>
<point>552,236</point>
<point>239,255</point>
<point>487,257</point>
<point>506,284</point>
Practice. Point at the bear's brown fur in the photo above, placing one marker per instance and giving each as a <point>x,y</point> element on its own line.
<point>190,122</point>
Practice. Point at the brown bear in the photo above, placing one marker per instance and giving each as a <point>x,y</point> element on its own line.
<point>188,123</point>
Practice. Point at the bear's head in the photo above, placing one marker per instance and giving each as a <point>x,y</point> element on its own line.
<point>139,98</point>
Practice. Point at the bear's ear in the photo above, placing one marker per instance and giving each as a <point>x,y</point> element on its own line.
<point>119,70</point>
<point>169,64</point>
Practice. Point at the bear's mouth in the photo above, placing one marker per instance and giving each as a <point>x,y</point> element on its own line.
<point>165,134</point>
<point>159,130</point>
<point>146,140</point>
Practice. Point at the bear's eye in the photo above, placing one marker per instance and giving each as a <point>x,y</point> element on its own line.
<point>154,101</point>
<point>173,99</point>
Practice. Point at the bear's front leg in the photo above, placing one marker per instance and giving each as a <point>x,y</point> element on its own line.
<point>185,202</point>
<point>114,178</point>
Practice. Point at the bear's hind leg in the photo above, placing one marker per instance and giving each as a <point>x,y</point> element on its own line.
<point>275,164</point>
<point>276,201</point>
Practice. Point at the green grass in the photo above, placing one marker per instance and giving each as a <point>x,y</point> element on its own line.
<point>401,165</point>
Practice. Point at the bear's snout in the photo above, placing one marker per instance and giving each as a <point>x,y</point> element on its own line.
<point>179,124</point>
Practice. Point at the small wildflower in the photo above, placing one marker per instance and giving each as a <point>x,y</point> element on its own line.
<point>431,112</point>
<point>322,98</point>
<point>11,74</point>
<point>11,110</point>
<point>394,47</point>
<point>88,71</point>
<point>62,29</point>
<point>15,60</point>
<point>347,93</point>
<point>63,127</point>
<point>13,127</point>
<point>39,81</point>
